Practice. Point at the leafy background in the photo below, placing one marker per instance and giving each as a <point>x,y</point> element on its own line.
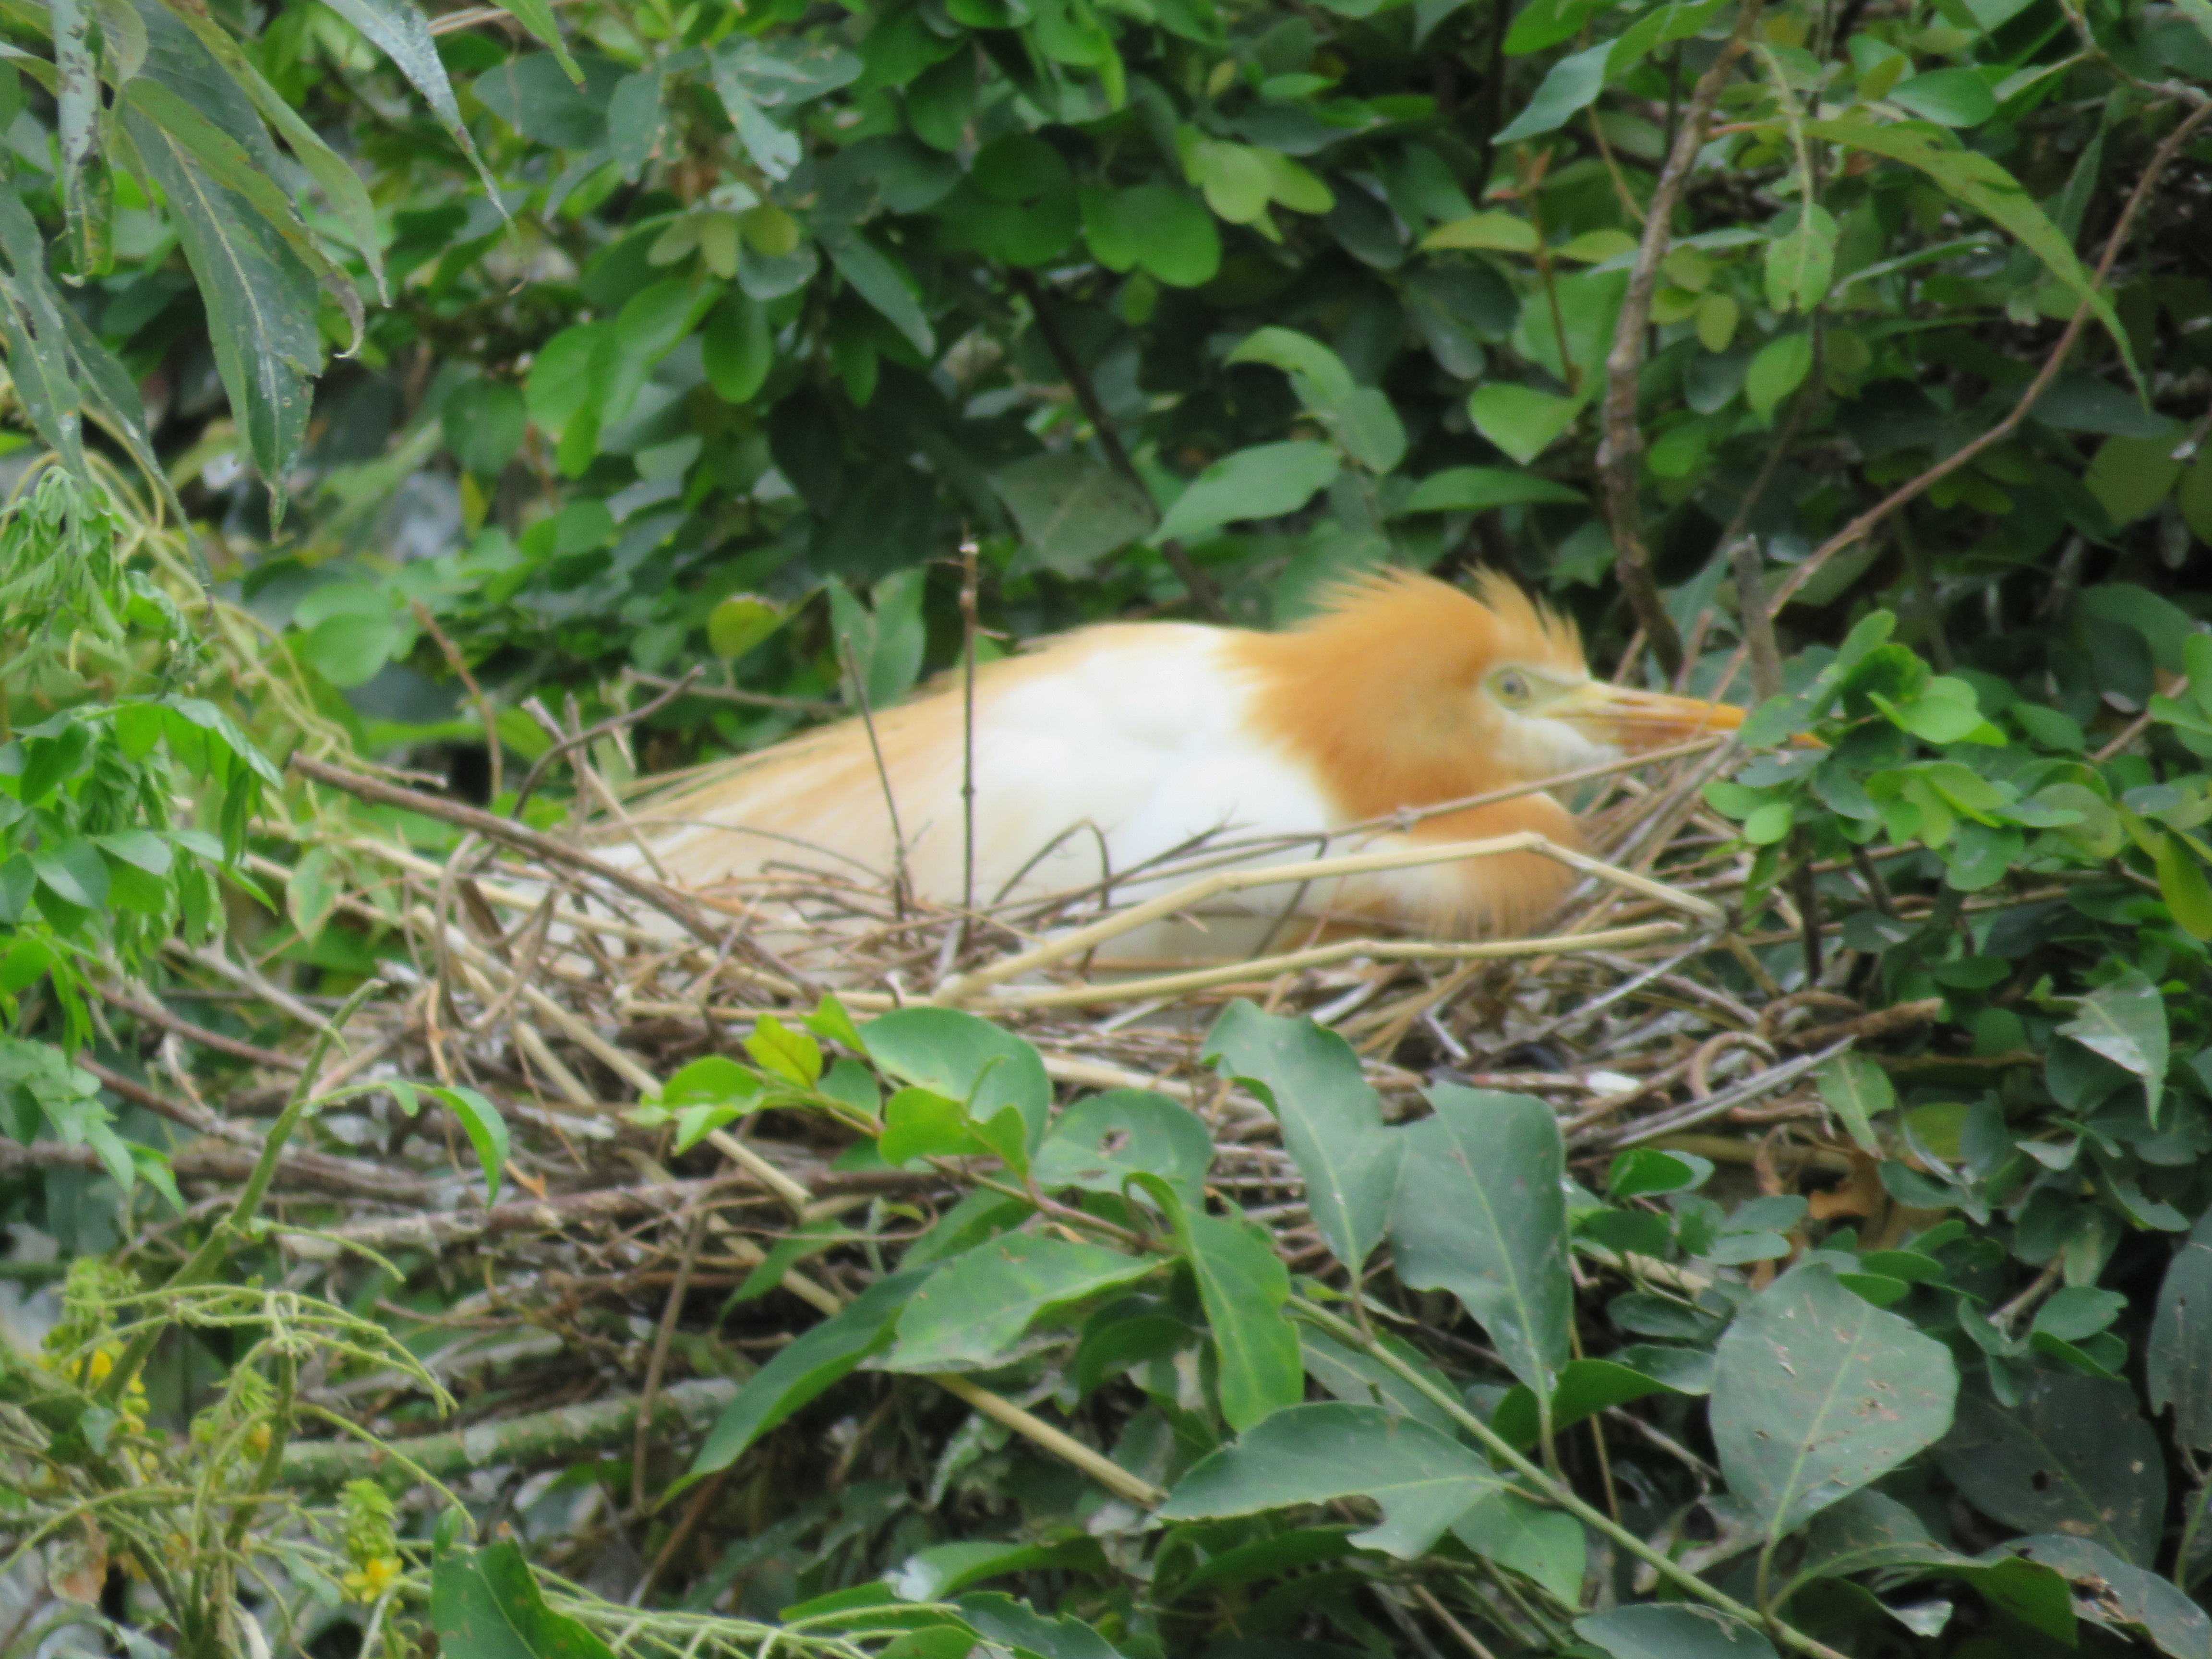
<point>428,387</point>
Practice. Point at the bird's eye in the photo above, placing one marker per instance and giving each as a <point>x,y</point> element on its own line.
<point>1512,688</point>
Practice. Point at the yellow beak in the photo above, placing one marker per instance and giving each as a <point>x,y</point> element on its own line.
<point>1637,722</point>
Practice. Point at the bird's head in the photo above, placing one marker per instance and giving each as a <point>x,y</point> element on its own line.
<point>1406,690</point>
<point>1548,717</point>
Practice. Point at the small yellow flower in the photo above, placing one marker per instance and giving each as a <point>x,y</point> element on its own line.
<point>99,1365</point>
<point>369,1581</point>
<point>257,1439</point>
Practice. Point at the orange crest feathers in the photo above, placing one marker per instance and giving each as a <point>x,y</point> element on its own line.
<point>1498,618</point>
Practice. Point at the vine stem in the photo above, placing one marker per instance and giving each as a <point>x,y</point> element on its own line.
<point>1623,445</point>
<point>1558,1491</point>
<point>203,1262</point>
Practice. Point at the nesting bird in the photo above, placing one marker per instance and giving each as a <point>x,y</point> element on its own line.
<point>1098,754</point>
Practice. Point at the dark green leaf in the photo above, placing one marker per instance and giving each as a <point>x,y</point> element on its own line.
<point>1423,1480</point>
<point>1480,1212</point>
<point>818,1358</point>
<point>1072,510</point>
<point>2178,1368</point>
<point>1816,1392</point>
<point>976,1306</point>
<point>1681,1630</point>
<point>2074,1456</point>
<point>1100,1143</point>
<point>1332,1121</point>
<point>485,1604</point>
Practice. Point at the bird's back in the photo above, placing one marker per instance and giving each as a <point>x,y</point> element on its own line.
<point>1096,755</point>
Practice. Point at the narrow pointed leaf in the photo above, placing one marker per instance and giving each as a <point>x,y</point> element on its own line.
<point>1422,1478</point>
<point>1332,1121</point>
<point>1480,1212</point>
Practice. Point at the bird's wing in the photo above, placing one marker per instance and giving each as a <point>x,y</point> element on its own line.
<point>1101,752</point>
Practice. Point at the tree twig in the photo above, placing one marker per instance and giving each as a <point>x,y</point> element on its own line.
<point>1203,593</point>
<point>589,735</point>
<point>1857,528</point>
<point>1621,451</point>
<point>459,665</point>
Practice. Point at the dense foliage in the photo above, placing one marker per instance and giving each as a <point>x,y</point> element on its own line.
<point>427,389</point>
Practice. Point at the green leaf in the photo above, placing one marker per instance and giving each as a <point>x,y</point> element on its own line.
<point>1242,1285</point>
<point>2072,1456</point>
<point>2124,1021</point>
<point>1422,1478</point>
<point>88,193</point>
<point>399,29</point>
<point>1099,1143</point>
<point>885,642</point>
<point>73,871</point>
<point>1646,1169</point>
<point>1072,510</point>
<point>1504,233</point>
<point>2177,1365</point>
<point>311,891</point>
<point>1542,1544</point>
<point>922,1123</point>
<point>1569,87</point>
<point>1857,1091</point>
<point>536,16</point>
<point>1332,1121</point>
<point>798,1373</point>
<point>1816,1392</point>
<point>783,1052</point>
<point>351,650</point>
<point>261,300</point>
<point>1983,185</point>
<point>1520,419</point>
<point>2121,1596</point>
<point>1262,483</point>
<point>976,1307</point>
<point>1155,227</point>
<point>486,1129</point>
<point>1016,1626</point>
<point>1572,84</point>
<point>1480,1212</point>
<point>965,1058</point>
<point>739,622</point>
<point>485,1604</point>
<point>1778,369</point>
<point>2129,477</point>
<point>484,423</point>
<point>1325,381</point>
<point>1948,97</point>
<point>1236,179</point>
<point>1586,1387</point>
<point>1479,488</point>
<point>882,282</point>
<point>2182,883</point>
<point>1677,1630</point>
<point>738,349</point>
<point>1801,262</point>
